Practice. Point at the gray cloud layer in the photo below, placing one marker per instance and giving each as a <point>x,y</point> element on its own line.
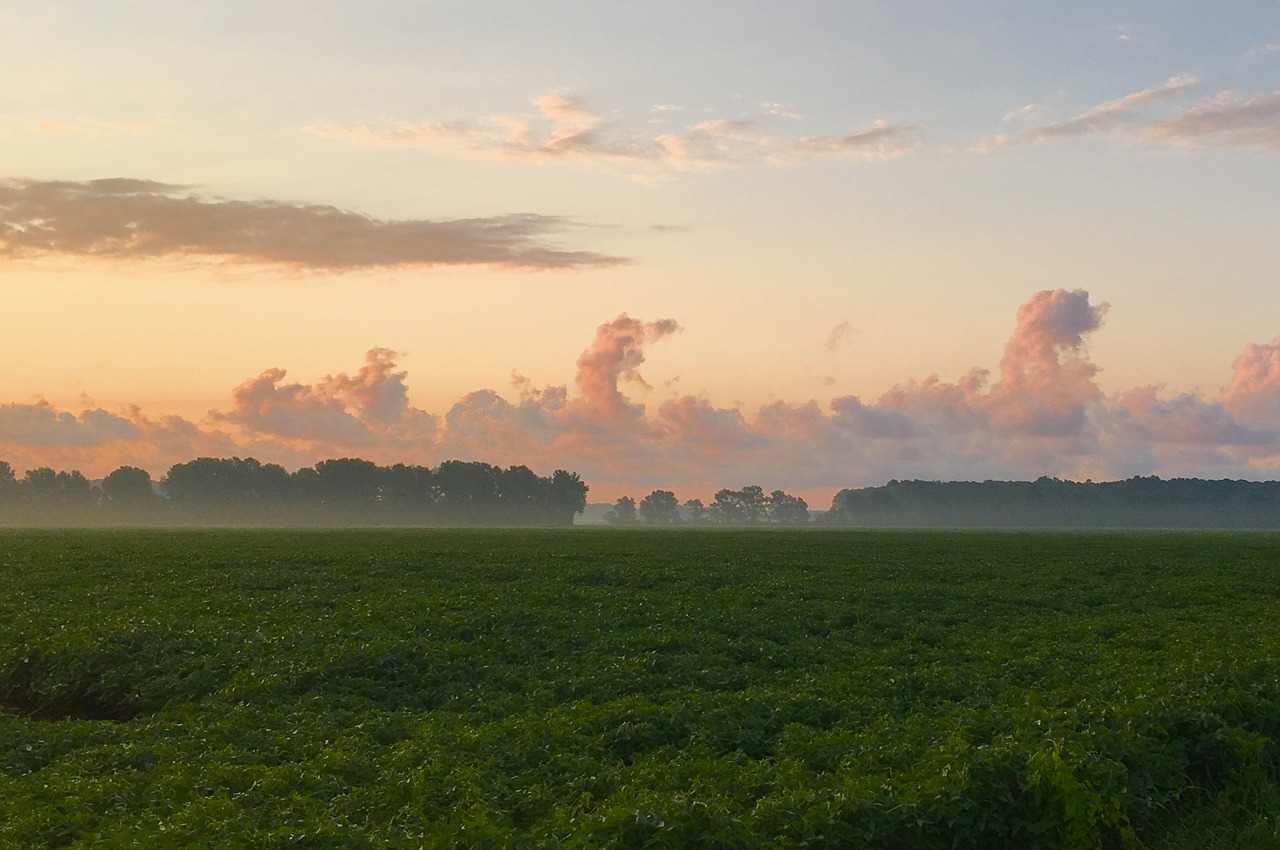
<point>140,219</point>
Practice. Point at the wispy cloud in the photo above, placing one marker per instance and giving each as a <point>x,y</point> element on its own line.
<point>1022,112</point>
<point>1115,113</point>
<point>1225,119</point>
<point>1125,33</point>
<point>839,335</point>
<point>779,110</point>
<point>141,219</point>
<point>564,129</point>
<point>1042,414</point>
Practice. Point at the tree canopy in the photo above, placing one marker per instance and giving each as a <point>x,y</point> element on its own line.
<point>748,506</point>
<point>1053,503</point>
<point>344,491</point>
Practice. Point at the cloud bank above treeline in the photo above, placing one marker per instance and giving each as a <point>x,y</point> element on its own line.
<point>1042,413</point>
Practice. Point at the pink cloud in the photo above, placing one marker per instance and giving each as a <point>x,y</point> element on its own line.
<point>1043,415</point>
<point>1225,119</point>
<point>1254,392</point>
<point>368,410</point>
<point>97,441</point>
<point>1116,113</point>
<point>616,355</point>
<point>1186,420</point>
<point>1045,381</point>
<point>563,128</point>
<point>40,425</point>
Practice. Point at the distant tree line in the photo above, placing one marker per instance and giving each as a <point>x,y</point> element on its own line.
<point>1052,503</point>
<point>347,491</point>
<point>748,506</point>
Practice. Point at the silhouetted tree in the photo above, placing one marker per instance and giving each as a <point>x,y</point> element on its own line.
<point>8,488</point>
<point>660,508</point>
<point>47,495</point>
<point>623,513</point>
<point>695,513</point>
<point>128,489</point>
<point>216,489</point>
<point>521,494</point>
<point>739,507</point>
<point>785,509</point>
<point>468,491</point>
<point>754,502</point>
<point>346,490</point>
<point>1050,502</point>
<point>40,484</point>
<point>409,493</point>
<point>568,496</point>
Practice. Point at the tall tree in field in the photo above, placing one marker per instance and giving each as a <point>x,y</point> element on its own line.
<point>623,513</point>
<point>8,486</point>
<point>347,488</point>
<point>695,513</point>
<point>128,489</point>
<point>522,494</point>
<point>660,508</point>
<point>568,496</point>
<point>237,489</point>
<point>468,491</point>
<point>739,507</point>
<point>49,495</point>
<point>409,493</point>
<point>785,509</point>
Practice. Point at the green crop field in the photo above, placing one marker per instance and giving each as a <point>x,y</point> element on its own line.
<point>578,688</point>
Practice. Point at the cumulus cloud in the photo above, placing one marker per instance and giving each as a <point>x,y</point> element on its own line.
<point>564,128</point>
<point>614,356</point>
<point>97,441</point>
<point>1045,381</point>
<point>141,219</point>
<point>1185,420</point>
<point>1254,392</point>
<point>40,425</point>
<point>1042,413</point>
<point>368,410</point>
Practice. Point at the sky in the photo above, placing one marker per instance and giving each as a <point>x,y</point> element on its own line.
<point>805,245</point>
